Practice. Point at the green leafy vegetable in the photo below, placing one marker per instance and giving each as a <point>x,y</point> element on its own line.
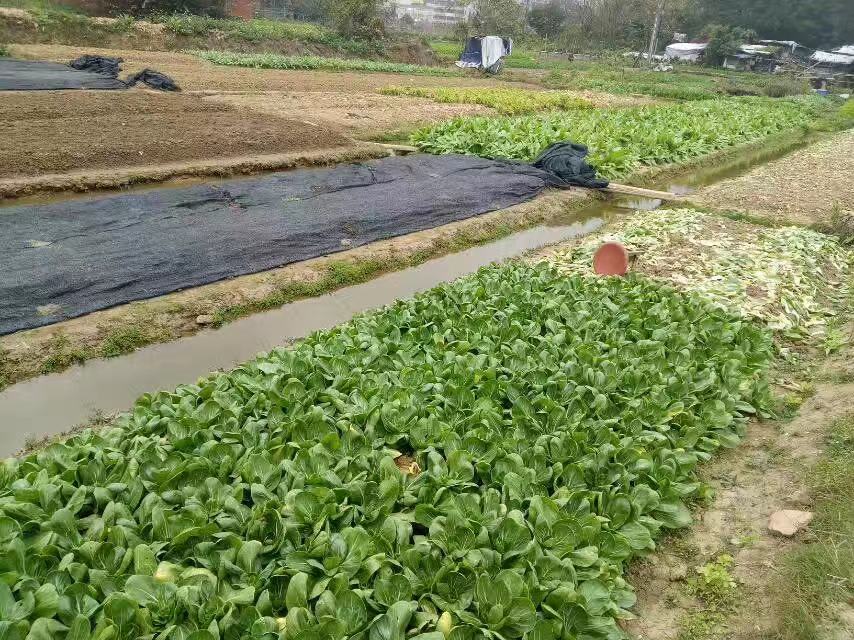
<point>277,61</point>
<point>557,422</point>
<point>623,140</point>
<point>506,101</point>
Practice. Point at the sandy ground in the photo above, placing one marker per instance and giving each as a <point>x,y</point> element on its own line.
<point>53,131</point>
<point>360,113</point>
<point>807,186</point>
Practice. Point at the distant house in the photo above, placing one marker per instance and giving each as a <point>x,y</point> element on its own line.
<point>686,51</point>
<point>832,62</point>
<point>753,57</point>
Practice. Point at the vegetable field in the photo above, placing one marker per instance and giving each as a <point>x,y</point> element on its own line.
<point>623,140</point>
<point>312,63</point>
<point>478,462</point>
<point>505,101</point>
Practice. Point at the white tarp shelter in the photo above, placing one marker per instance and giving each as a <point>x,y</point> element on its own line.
<point>687,51</point>
<point>485,53</point>
<point>827,57</point>
<point>847,50</point>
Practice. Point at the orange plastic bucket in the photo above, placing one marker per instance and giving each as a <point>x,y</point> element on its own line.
<point>611,259</point>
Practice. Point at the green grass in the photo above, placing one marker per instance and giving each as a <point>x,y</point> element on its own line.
<point>261,30</point>
<point>314,63</point>
<point>675,85</point>
<point>816,577</point>
<point>125,340</point>
<point>505,101</point>
<point>4,51</point>
<point>67,21</point>
<point>63,354</point>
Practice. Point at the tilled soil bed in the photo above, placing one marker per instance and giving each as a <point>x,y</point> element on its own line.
<point>362,113</point>
<point>54,131</point>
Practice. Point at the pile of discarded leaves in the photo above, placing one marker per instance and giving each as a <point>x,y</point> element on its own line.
<point>790,278</point>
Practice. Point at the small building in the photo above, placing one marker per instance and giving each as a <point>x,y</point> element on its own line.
<point>686,51</point>
<point>832,62</point>
<point>753,57</point>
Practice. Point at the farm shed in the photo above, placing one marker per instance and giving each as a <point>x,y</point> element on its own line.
<point>685,51</point>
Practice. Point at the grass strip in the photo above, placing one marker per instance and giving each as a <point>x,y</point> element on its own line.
<point>315,63</point>
<point>483,459</point>
<point>816,580</point>
<point>505,101</point>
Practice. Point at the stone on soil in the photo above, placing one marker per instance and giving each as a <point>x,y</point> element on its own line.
<point>788,521</point>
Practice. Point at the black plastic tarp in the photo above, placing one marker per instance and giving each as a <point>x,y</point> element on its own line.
<point>32,75</point>
<point>65,259</point>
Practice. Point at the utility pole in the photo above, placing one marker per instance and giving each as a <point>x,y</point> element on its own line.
<point>653,41</point>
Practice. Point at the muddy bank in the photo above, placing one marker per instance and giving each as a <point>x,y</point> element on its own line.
<point>74,130</point>
<point>120,330</point>
<point>763,475</point>
<point>52,404</point>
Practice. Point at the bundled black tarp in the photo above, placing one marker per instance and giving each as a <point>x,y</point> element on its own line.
<point>98,64</point>
<point>32,75</point>
<point>567,163</point>
<point>85,72</point>
<point>66,259</point>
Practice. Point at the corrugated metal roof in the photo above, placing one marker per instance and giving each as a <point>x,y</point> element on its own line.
<point>832,58</point>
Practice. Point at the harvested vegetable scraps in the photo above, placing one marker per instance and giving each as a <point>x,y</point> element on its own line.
<point>790,278</point>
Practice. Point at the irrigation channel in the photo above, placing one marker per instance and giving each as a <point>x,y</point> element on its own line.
<point>50,405</point>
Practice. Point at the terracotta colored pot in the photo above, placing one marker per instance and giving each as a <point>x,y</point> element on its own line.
<point>611,259</point>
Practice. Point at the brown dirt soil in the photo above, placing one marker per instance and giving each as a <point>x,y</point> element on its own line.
<point>803,187</point>
<point>763,475</point>
<point>194,74</point>
<point>138,128</point>
<point>364,113</point>
<point>29,353</point>
<point>179,173</point>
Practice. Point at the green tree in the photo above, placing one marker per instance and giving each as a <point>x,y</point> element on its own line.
<point>724,40</point>
<point>818,23</point>
<point>359,18</point>
<point>498,17</point>
<point>548,20</point>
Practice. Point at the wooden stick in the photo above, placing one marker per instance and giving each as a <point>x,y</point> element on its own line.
<point>640,191</point>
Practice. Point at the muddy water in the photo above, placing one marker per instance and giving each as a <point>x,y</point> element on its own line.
<point>51,404</point>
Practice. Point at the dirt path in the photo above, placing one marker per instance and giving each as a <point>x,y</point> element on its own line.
<point>764,474</point>
<point>807,186</point>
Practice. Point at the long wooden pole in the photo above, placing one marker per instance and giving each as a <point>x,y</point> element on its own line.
<point>653,40</point>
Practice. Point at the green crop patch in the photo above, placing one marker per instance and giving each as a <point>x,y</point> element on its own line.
<point>505,101</point>
<point>623,140</point>
<point>316,63</point>
<point>480,461</point>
